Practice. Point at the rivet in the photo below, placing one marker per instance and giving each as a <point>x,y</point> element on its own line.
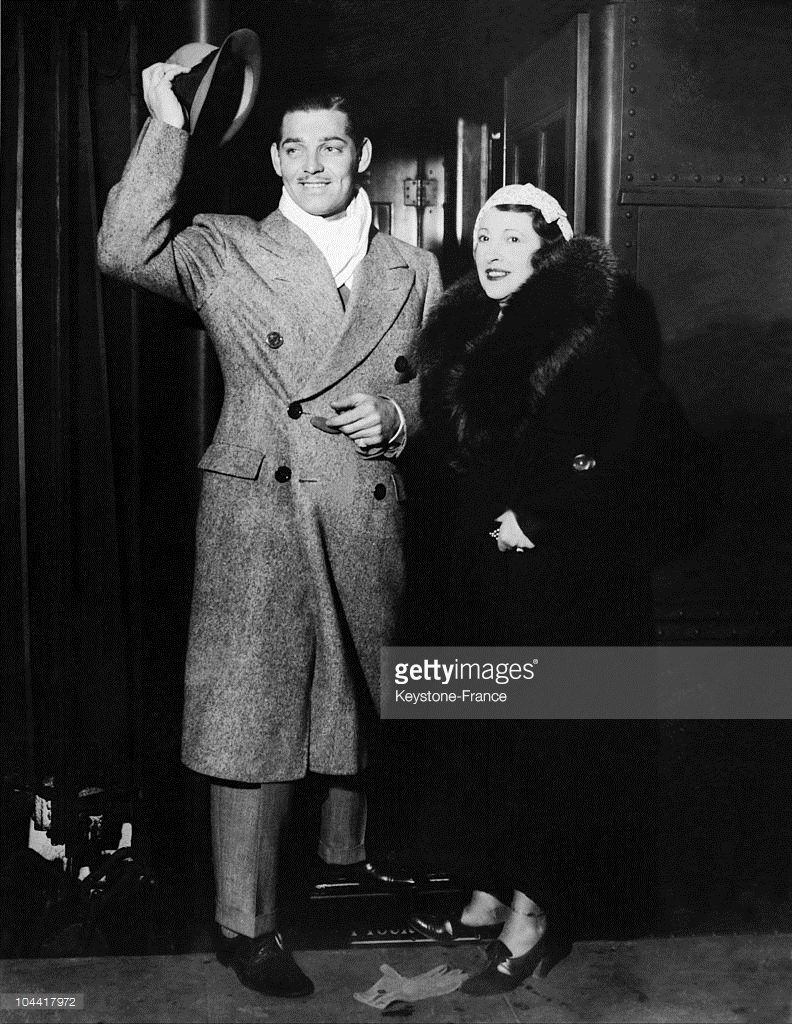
<point>674,177</point>
<point>628,215</point>
<point>741,179</point>
<point>629,177</point>
<point>763,178</point>
<point>719,178</point>
<point>630,156</point>
<point>633,89</point>
<point>633,19</point>
<point>631,134</point>
<point>633,42</point>
<point>696,177</point>
<point>631,111</point>
<point>633,65</point>
<point>628,245</point>
<point>786,178</point>
<point>653,177</point>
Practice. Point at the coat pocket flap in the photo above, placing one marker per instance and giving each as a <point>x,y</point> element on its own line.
<point>232,460</point>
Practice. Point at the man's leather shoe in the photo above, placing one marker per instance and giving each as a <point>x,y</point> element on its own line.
<point>384,874</point>
<point>448,929</point>
<point>366,871</point>
<point>263,964</point>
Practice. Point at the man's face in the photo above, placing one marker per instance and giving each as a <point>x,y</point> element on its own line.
<point>318,161</point>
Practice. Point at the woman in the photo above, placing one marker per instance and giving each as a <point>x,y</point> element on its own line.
<point>533,394</point>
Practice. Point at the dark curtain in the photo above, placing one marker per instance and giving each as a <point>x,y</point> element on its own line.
<point>108,397</point>
<point>70,643</point>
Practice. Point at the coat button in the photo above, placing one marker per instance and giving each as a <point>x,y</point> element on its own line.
<point>274,340</point>
<point>401,365</point>
<point>295,410</point>
<point>380,491</point>
<point>283,474</point>
<point>583,462</point>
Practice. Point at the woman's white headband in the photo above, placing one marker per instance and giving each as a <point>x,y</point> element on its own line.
<point>527,195</point>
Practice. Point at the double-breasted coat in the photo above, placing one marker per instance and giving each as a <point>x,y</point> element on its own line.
<point>299,565</point>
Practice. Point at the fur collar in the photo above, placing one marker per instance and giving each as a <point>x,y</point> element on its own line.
<point>484,375</point>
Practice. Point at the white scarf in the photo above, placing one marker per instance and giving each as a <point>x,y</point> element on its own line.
<point>343,242</point>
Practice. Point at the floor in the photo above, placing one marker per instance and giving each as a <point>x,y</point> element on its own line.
<point>716,978</point>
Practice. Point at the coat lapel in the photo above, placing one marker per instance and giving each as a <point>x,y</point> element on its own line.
<point>300,277</point>
<point>380,288</point>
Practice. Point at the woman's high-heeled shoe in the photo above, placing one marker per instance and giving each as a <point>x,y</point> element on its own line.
<point>505,972</point>
<point>448,930</point>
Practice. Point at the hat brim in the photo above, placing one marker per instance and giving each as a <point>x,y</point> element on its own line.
<point>228,90</point>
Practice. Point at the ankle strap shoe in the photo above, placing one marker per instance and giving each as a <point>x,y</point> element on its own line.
<point>505,972</point>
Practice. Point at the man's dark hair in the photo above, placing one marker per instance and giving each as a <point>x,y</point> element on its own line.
<point>326,101</point>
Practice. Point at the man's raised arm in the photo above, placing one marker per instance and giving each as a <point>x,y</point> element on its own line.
<point>136,240</point>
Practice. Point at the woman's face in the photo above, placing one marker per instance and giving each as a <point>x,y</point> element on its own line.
<point>503,249</point>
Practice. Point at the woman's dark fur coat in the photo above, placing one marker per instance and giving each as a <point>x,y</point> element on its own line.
<point>547,411</point>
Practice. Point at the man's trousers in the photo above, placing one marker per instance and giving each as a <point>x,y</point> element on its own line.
<point>248,828</point>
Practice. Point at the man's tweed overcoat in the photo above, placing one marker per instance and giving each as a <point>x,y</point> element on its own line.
<point>299,565</point>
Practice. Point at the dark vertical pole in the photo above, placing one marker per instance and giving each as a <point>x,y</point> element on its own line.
<point>208,23</point>
<point>209,20</point>
<point>103,703</point>
<point>579,169</point>
<point>20,384</point>
<point>59,676</point>
<point>133,544</point>
<point>607,31</point>
<point>420,172</point>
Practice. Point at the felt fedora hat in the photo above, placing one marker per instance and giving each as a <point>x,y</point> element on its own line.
<point>220,89</point>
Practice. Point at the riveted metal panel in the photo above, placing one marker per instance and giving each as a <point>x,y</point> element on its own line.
<point>707,96</point>
<point>705,266</point>
<point>721,284</point>
<point>691,171</point>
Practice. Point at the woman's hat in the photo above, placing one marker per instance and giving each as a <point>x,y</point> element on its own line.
<point>527,195</point>
<point>219,91</point>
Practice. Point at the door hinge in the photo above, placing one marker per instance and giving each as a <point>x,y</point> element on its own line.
<point>420,191</point>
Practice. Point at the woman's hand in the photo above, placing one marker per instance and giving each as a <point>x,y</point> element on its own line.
<point>510,536</point>
<point>159,96</point>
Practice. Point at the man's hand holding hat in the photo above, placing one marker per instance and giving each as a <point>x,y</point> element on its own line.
<point>158,93</point>
<point>205,89</point>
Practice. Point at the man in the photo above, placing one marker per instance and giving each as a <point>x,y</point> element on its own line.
<point>298,557</point>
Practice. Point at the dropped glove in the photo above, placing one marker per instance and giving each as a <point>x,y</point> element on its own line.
<point>392,986</point>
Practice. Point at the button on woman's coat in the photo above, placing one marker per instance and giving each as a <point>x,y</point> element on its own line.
<point>298,558</point>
